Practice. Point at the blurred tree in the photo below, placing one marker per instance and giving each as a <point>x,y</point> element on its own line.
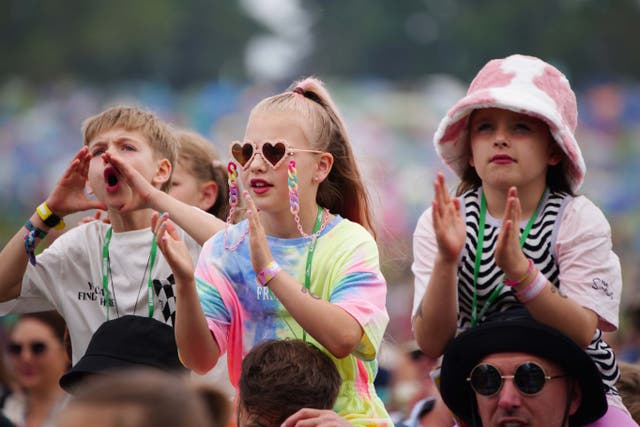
<point>175,41</point>
<point>406,40</point>
<point>190,41</point>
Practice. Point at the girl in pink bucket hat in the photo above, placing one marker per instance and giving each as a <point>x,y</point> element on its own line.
<point>516,234</point>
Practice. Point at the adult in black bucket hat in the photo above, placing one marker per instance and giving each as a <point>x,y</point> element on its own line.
<point>508,358</point>
<point>126,342</point>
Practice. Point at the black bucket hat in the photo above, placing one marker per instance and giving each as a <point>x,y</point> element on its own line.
<point>519,334</point>
<point>123,343</point>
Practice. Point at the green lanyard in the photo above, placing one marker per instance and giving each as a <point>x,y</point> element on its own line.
<point>312,248</point>
<point>476,268</point>
<point>105,272</point>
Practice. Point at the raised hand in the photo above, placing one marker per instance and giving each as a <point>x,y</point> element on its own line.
<point>509,256</point>
<point>97,216</point>
<point>173,248</point>
<point>309,417</point>
<point>258,246</point>
<point>448,223</point>
<point>68,195</point>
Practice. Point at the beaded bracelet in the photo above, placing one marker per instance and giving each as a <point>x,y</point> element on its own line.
<point>269,272</point>
<point>534,289</point>
<point>521,280</point>
<point>30,240</point>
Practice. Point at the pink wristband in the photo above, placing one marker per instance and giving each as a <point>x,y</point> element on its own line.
<point>534,289</point>
<point>520,280</point>
<point>269,272</point>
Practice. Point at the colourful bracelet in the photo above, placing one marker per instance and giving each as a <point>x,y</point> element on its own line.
<point>521,280</point>
<point>269,272</point>
<point>30,240</point>
<point>534,289</point>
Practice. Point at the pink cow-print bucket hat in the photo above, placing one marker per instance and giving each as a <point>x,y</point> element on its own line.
<point>523,84</point>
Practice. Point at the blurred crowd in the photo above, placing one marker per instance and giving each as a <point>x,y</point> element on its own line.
<point>391,127</point>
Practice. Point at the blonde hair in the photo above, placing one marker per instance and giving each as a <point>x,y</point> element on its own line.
<point>158,134</point>
<point>343,192</point>
<point>197,154</point>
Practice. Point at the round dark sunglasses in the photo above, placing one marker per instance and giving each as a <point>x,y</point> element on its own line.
<point>37,348</point>
<point>529,378</point>
<point>272,152</point>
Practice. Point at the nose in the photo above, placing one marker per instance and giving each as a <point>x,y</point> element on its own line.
<point>509,397</point>
<point>257,165</point>
<point>501,138</point>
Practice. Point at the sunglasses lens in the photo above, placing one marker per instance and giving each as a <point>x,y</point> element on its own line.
<point>242,152</point>
<point>529,378</point>
<point>485,380</point>
<point>14,349</point>
<point>38,347</point>
<point>273,152</point>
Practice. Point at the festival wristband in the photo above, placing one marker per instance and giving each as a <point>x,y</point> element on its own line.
<point>30,240</point>
<point>269,272</point>
<point>534,289</point>
<point>521,280</point>
<point>49,218</point>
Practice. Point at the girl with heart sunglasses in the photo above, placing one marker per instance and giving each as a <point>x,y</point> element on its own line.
<point>304,265</point>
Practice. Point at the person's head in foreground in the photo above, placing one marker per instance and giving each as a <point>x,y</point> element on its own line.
<point>139,398</point>
<point>515,371</point>
<point>280,377</point>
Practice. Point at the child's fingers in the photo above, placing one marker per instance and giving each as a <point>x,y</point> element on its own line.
<point>172,230</point>
<point>252,211</point>
<point>154,220</point>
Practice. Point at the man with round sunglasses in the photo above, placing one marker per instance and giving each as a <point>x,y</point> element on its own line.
<point>514,371</point>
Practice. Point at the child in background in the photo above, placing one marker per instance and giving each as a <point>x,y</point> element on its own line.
<point>516,234</point>
<point>97,271</point>
<point>199,178</point>
<point>282,377</point>
<point>303,265</point>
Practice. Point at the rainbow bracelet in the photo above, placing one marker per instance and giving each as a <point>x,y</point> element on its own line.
<point>268,273</point>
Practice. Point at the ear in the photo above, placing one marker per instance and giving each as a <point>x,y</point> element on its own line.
<point>163,173</point>
<point>576,397</point>
<point>555,154</point>
<point>323,167</point>
<point>208,195</point>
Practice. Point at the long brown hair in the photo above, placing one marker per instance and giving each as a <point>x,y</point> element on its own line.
<point>343,192</point>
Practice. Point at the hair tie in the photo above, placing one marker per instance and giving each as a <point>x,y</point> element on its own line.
<point>299,90</point>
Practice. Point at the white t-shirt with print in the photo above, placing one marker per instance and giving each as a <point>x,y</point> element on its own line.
<point>68,278</point>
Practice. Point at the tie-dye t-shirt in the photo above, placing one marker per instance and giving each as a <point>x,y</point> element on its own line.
<point>345,271</point>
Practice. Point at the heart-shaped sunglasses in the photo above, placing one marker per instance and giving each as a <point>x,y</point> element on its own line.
<point>272,152</point>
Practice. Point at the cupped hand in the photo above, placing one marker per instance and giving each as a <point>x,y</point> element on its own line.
<point>136,181</point>
<point>173,248</point>
<point>448,223</point>
<point>258,246</point>
<point>508,255</point>
<point>68,195</point>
